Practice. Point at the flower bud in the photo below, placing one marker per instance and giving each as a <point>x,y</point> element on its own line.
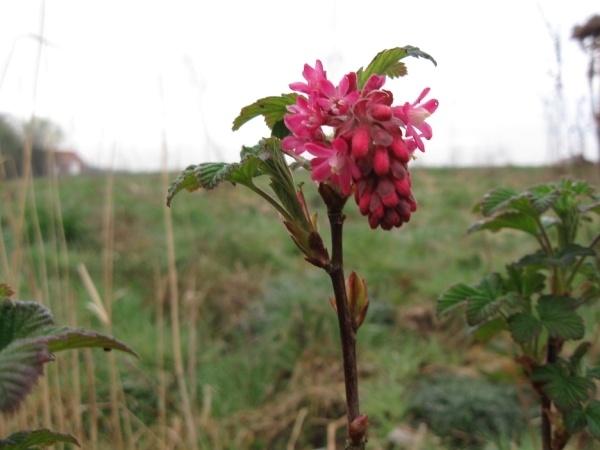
<point>358,302</point>
<point>381,161</point>
<point>360,142</point>
<point>358,428</point>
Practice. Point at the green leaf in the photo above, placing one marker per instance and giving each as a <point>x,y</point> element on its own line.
<point>575,420</point>
<point>272,108</point>
<point>577,356</point>
<point>66,338</point>
<point>186,180</point>
<point>543,197</point>
<point>21,319</point>
<point>592,414</point>
<point>510,219</point>
<point>524,280</point>
<point>506,199</point>
<point>593,207</point>
<point>457,295</point>
<point>593,372</point>
<point>25,440</point>
<point>488,330</point>
<point>280,130</point>
<point>387,63</point>
<point>524,327</point>
<point>488,299</point>
<point>564,258</point>
<point>21,363</point>
<point>557,315</point>
<point>566,391</point>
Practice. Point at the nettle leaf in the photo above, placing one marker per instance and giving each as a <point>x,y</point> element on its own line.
<point>21,319</point>
<point>575,420</point>
<point>510,219</point>
<point>592,414</point>
<point>25,440</point>
<point>21,364</point>
<point>543,197</point>
<point>566,391</point>
<point>272,108</point>
<point>387,63</point>
<point>457,295</point>
<point>524,327</point>
<point>557,315</point>
<point>67,338</point>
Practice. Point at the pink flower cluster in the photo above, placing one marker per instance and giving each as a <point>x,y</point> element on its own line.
<point>371,145</point>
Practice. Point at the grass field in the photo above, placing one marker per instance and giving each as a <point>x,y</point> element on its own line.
<point>259,351</point>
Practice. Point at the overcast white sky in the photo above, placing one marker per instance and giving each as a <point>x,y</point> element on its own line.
<point>99,74</point>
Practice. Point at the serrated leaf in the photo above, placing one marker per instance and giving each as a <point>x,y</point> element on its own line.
<point>509,219</point>
<point>279,130</point>
<point>25,440</point>
<point>21,364</point>
<point>577,356</point>
<point>593,207</point>
<point>67,338</point>
<point>186,180</point>
<point>592,414</point>
<point>506,199</point>
<point>525,281</point>
<point>272,108</point>
<point>524,327</point>
<point>575,420</point>
<point>21,319</point>
<point>543,197</point>
<point>210,175</point>
<point>565,390</point>
<point>564,258</point>
<point>558,317</point>
<point>488,330</point>
<point>387,63</point>
<point>454,297</point>
<point>488,299</point>
<point>593,372</point>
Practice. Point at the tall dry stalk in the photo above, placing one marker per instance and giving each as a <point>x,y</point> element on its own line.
<point>160,353</point>
<point>174,306</point>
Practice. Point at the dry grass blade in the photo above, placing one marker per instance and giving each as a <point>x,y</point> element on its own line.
<point>96,306</point>
<point>297,428</point>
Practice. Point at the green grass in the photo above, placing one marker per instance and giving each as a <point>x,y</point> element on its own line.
<point>266,335</point>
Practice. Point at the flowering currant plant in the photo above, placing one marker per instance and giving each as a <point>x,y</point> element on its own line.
<point>360,144</point>
<point>542,299</point>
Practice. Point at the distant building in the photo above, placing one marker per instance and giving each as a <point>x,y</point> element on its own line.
<point>66,163</point>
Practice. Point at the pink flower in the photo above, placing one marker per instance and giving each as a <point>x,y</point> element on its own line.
<point>334,163</point>
<point>414,118</point>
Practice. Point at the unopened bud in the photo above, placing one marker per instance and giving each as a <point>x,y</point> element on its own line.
<point>358,302</point>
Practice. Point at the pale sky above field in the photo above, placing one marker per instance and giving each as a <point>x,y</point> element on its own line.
<point>100,71</point>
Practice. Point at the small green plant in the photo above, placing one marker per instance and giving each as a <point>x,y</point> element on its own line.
<point>28,340</point>
<point>540,299</point>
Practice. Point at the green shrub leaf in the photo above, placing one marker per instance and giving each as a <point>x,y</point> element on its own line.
<point>489,329</point>
<point>524,327</point>
<point>387,63</point>
<point>575,420</point>
<point>593,372</point>
<point>454,297</point>
<point>66,338</point>
<point>488,299</point>
<point>186,180</point>
<point>557,315</point>
<point>25,440</point>
<point>543,197</point>
<point>565,390</point>
<point>272,108</point>
<point>21,363</point>
<point>510,219</point>
<point>592,414</point>
<point>21,319</point>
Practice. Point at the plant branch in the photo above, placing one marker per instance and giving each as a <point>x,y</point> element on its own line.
<point>347,333</point>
